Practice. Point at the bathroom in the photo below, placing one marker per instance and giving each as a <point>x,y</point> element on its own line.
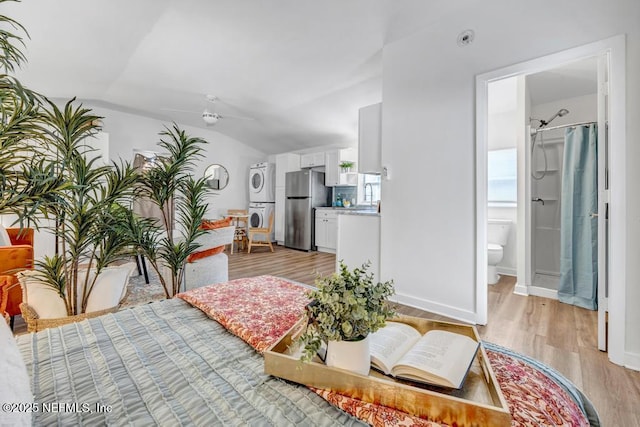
<point>552,98</point>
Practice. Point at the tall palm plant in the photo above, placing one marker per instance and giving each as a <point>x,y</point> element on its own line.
<point>92,215</point>
<point>48,170</point>
<point>170,186</point>
<point>26,181</point>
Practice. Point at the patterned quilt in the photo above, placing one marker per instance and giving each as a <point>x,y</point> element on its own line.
<point>161,364</point>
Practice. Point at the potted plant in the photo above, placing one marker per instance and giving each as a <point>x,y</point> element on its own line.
<point>25,181</point>
<point>48,179</point>
<point>345,308</point>
<point>89,216</point>
<point>169,185</point>
<point>346,166</point>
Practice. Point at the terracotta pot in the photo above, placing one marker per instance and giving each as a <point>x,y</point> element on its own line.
<point>353,356</point>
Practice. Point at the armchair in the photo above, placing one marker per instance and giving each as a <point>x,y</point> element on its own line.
<point>18,256</point>
<point>210,265</point>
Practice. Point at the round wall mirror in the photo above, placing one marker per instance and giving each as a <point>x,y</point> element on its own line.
<point>216,177</point>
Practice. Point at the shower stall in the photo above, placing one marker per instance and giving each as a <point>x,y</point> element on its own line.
<point>564,207</point>
<point>546,188</point>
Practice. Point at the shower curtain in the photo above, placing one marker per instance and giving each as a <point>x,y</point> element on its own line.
<point>578,227</point>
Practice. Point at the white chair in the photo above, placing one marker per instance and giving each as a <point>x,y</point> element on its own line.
<point>210,269</point>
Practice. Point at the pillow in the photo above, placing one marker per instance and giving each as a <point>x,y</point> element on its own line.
<point>14,380</point>
<point>5,240</point>
<point>206,253</point>
<point>216,223</point>
<point>41,297</point>
<point>110,287</point>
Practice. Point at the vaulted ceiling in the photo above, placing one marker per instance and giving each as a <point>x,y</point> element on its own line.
<point>299,69</point>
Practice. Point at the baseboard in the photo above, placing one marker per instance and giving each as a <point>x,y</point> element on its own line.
<point>506,270</point>
<point>327,250</point>
<point>436,308</point>
<point>543,292</point>
<point>632,361</point>
<point>520,289</point>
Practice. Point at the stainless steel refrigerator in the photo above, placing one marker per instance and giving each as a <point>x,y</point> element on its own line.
<point>304,191</point>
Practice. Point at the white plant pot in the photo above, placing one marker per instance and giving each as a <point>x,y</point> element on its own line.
<point>350,355</point>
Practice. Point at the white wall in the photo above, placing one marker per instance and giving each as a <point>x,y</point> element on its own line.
<point>128,132</point>
<point>428,136</point>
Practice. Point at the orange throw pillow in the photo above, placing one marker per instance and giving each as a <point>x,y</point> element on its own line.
<point>213,224</point>
<point>203,254</point>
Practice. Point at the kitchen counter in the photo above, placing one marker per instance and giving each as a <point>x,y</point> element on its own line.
<point>358,210</point>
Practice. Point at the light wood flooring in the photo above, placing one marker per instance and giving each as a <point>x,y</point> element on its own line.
<point>559,335</point>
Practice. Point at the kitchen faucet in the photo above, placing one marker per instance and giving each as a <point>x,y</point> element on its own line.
<point>365,193</point>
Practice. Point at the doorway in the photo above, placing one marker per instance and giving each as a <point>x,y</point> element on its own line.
<point>546,102</point>
<point>613,49</point>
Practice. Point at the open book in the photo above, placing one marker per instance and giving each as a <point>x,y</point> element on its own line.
<point>438,357</point>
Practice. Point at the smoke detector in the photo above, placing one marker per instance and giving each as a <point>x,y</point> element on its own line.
<point>465,38</point>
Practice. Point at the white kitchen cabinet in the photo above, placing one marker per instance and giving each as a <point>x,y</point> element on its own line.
<point>370,139</point>
<point>286,162</point>
<point>326,230</point>
<point>311,160</point>
<point>331,168</point>
<point>279,215</point>
<point>333,174</point>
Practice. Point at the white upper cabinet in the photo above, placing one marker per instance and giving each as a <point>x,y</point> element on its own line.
<point>311,160</point>
<point>286,162</point>
<point>370,139</point>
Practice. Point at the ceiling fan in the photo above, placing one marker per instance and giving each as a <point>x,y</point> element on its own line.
<point>211,118</point>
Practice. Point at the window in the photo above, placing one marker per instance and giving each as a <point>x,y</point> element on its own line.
<point>368,189</point>
<point>502,176</point>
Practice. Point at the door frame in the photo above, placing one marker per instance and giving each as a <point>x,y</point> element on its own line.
<point>615,48</point>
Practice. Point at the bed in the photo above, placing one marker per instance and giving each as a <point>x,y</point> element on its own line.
<point>196,360</point>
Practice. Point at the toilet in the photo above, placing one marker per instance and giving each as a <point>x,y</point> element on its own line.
<point>497,236</point>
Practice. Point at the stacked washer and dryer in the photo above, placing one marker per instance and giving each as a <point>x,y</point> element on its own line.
<point>262,195</point>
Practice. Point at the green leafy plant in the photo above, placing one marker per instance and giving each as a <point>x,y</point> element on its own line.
<point>170,186</point>
<point>346,306</point>
<point>26,181</point>
<point>48,172</point>
<point>90,214</point>
<point>346,165</point>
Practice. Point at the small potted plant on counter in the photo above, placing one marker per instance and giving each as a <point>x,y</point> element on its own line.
<point>345,308</point>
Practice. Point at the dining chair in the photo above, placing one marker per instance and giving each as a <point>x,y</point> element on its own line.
<point>261,231</point>
<point>240,236</point>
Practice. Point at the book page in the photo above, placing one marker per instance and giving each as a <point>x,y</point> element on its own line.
<point>438,354</point>
<point>389,343</point>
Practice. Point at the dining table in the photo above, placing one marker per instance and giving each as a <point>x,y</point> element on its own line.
<point>241,232</point>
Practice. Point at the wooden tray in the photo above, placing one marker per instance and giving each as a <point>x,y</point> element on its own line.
<point>478,402</point>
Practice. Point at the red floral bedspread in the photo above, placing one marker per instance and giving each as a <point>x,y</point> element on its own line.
<point>261,309</point>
